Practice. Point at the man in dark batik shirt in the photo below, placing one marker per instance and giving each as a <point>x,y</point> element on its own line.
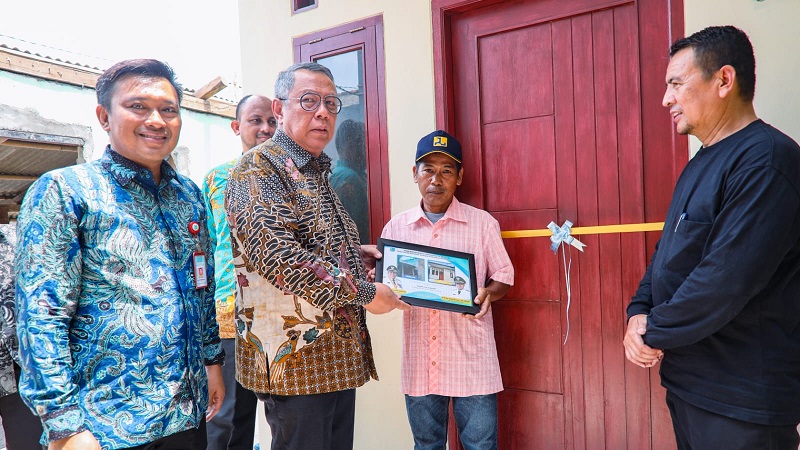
<point>303,290</point>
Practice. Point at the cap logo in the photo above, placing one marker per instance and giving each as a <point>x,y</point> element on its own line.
<point>440,141</point>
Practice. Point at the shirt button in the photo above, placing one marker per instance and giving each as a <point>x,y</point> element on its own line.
<point>434,338</point>
<point>436,235</point>
<point>434,312</point>
<point>433,363</point>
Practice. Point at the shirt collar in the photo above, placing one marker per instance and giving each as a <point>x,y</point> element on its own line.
<point>454,212</point>
<point>125,170</point>
<point>299,155</point>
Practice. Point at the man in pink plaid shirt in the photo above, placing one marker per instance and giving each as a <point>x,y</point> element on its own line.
<point>448,355</point>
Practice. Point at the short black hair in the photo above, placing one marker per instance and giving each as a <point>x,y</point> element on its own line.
<point>138,67</point>
<point>351,143</point>
<point>240,105</point>
<point>718,46</point>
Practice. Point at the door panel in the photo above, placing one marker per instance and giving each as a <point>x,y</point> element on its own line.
<point>544,285</point>
<point>525,421</point>
<point>547,95</point>
<point>527,332</point>
<point>503,97</point>
<point>509,141</point>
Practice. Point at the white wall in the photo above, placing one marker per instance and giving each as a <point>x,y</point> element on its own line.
<point>208,137</point>
<point>772,28</point>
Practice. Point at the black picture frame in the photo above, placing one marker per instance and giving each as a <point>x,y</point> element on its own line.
<point>428,276</point>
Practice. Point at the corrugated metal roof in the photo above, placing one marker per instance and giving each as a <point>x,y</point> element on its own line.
<point>69,58</point>
<point>26,156</point>
<point>33,159</point>
<point>54,55</point>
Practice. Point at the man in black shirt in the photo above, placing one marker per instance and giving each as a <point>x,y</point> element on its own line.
<point>720,301</point>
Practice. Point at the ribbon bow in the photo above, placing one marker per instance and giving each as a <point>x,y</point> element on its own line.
<point>560,236</point>
<point>563,234</point>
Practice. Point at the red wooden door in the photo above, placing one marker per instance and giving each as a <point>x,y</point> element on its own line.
<point>552,100</point>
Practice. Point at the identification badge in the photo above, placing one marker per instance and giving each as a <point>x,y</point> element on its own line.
<point>200,271</point>
<point>198,260</point>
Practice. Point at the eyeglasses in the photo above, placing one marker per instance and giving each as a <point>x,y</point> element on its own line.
<point>310,102</point>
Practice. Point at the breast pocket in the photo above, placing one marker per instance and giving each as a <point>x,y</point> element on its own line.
<point>686,249</point>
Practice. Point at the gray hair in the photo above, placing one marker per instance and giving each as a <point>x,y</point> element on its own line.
<point>285,81</point>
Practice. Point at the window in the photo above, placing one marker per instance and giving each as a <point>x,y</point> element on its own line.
<point>354,53</point>
<point>303,5</point>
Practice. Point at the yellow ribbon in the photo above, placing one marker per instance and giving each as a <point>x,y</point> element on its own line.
<point>600,229</point>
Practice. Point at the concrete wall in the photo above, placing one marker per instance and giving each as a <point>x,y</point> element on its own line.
<point>267,28</point>
<point>34,105</point>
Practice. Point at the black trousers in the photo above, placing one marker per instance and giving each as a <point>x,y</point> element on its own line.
<point>193,439</point>
<point>21,427</point>
<point>698,429</point>
<point>311,422</point>
<point>234,425</point>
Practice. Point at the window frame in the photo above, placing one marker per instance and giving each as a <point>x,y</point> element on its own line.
<point>365,34</point>
<point>296,9</point>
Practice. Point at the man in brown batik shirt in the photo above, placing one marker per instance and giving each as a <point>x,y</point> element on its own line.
<point>301,327</point>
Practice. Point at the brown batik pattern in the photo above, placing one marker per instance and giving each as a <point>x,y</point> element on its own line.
<point>301,328</point>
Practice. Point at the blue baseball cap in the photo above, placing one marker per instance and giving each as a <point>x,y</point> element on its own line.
<point>439,142</point>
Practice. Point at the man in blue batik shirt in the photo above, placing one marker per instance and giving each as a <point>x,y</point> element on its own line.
<point>118,339</point>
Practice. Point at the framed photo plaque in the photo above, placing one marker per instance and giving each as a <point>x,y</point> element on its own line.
<point>428,276</point>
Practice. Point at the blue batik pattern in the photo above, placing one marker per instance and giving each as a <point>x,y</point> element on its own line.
<point>114,337</point>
